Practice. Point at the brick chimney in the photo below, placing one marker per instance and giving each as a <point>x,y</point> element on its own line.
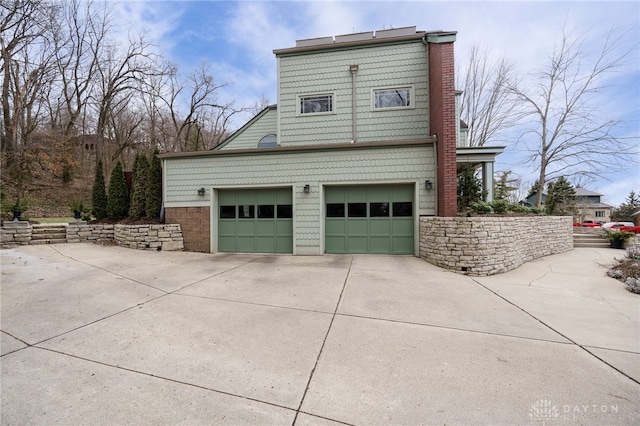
<point>442,117</point>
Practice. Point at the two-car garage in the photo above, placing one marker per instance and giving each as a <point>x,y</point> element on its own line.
<point>357,219</point>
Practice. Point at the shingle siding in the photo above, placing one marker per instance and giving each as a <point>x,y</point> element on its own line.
<point>378,67</point>
<point>250,137</point>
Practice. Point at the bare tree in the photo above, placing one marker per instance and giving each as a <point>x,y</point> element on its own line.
<point>486,106</point>
<point>79,43</point>
<point>121,75</point>
<point>204,123</point>
<point>22,25</point>
<point>25,49</point>
<point>567,133</point>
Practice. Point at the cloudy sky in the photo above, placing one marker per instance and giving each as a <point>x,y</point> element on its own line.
<point>238,38</point>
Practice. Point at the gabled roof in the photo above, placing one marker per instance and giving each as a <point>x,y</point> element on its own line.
<point>246,126</point>
<point>585,192</point>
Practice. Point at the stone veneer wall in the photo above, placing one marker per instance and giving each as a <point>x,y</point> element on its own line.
<point>483,246</point>
<point>195,226</point>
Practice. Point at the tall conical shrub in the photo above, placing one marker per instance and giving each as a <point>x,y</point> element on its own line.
<point>99,194</point>
<point>118,200</point>
<point>154,187</point>
<point>139,190</point>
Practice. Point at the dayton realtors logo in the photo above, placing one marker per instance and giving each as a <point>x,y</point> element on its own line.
<point>543,410</point>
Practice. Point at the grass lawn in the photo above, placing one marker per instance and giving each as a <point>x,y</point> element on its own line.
<point>53,219</point>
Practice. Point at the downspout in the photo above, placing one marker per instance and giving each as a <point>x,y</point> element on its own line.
<point>354,114</point>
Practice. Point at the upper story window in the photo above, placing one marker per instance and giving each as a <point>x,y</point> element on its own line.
<point>268,141</point>
<point>315,104</point>
<point>393,98</point>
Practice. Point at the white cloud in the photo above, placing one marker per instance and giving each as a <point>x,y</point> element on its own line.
<point>155,20</point>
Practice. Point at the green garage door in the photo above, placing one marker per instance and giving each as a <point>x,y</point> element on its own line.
<point>255,221</point>
<point>369,219</point>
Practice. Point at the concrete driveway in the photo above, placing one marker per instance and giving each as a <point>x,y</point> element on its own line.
<point>106,335</point>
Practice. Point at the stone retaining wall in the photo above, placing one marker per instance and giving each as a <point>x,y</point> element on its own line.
<point>82,232</point>
<point>15,233</point>
<point>155,237</point>
<point>483,246</point>
<point>149,237</point>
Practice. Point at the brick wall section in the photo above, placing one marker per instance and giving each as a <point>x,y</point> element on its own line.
<point>442,118</point>
<point>195,226</point>
<point>484,246</point>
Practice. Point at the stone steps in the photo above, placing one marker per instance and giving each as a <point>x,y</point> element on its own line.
<point>594,240</point>
<point>49,234</point>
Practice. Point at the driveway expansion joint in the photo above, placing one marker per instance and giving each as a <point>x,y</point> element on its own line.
<point>572,341</point>
<point>324,341</point>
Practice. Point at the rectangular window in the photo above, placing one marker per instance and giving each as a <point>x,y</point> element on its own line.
<point>404,209</point>
<point>246,212</point>
<point>357,209</point>
<point>266,211</point>
<point>315,104</point>
<point>335,210</point>
<point>600,213</point>
<point>227,212</point>
<point>285,211</point>
<point>379,209</point>
<point>399,97</point>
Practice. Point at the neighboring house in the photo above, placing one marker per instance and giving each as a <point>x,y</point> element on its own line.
<point>361,144</point>
<point>588,204</point>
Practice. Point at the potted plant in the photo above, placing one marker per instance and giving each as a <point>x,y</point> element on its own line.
<point>619,238</point>
<point>17,209</point>
<point>77,207</point>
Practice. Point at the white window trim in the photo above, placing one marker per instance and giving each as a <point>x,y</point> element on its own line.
<point>310,95</point>
<point>412,95</point>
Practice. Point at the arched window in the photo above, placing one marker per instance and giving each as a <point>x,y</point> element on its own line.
<point>268,141</point>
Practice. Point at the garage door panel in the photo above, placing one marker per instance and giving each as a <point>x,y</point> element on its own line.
<point>337,244</point>
<point>369,219</point>
<point>246,227</point>
<point>357,244</point>
<point>284,228</point>
<point>379,244</point>
<point>336,226</point>
<point>379,227</point>
<point>402,226</point>
<point>357,227</point>
<point>266,228</point>
<point>255,220</point>
<point>402,245</point>
<point>284,245</point>
<point>227,242</point>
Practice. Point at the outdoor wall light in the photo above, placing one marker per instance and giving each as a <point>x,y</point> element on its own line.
<point>306,189</point>
<point>428,185</point>
<point>201,192</point>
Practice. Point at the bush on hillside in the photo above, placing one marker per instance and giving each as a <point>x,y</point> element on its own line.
<point>99,194</point>
<point>118,199</point>
<point>139,188</point>
<point>154,187</point>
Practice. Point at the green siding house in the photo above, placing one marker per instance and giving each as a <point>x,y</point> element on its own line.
<point>361,143</point>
